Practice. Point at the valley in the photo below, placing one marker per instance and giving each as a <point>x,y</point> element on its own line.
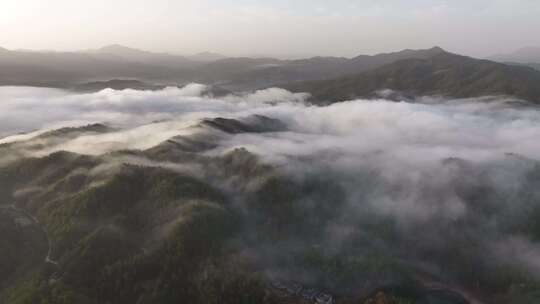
<point>269,152</point>
<point>227,204</point>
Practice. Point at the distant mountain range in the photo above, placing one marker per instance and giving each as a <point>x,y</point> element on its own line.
<point>524,55</point>
<point>274,72</point>
<point>119,52</point>
<point>116,51</point>
<point>69,70</point>
<point>534,65</point>
<point>430,71</point>
<point>207,57</point>
<point>443,74</point>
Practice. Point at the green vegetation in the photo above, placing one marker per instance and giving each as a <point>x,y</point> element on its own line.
<point>126,233</point>
<point>140,234</point>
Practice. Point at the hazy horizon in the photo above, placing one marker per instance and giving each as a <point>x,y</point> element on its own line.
<point>280,28</point>
<point>103,49</point>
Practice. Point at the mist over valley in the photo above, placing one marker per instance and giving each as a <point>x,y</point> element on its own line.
<point>269,152</point>
<point>264,187</point>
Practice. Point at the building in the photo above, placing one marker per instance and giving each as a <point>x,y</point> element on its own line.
<point>324,298</point>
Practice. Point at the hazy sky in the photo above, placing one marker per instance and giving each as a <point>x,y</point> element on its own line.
<point>240,27</point>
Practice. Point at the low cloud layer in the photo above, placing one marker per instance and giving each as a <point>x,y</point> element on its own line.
<point>24,109</point>
<point>465,168</point>
<point>475,129</point>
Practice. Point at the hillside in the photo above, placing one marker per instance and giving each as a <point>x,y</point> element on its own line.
<point>272,72</point>
<point>444,74</point>
<point>186,220</point>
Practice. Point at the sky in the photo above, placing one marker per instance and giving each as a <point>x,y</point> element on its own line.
<point>272,27</point>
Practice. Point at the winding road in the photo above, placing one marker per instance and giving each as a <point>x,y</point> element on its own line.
<point>26,214</point>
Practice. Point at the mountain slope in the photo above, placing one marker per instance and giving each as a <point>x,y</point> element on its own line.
<point>523,55</point>
<point>184,220</point>
<point>444,74</point>
<point>364,62</point>
<point>274,72</point>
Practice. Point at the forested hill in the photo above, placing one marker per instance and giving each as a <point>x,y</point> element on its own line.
<point>444,74</point>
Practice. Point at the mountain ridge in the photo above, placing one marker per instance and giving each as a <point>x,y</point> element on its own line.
<point>124,230</point>
<point>444,74</point>
<point>447,75</point>
<point>68,69</point>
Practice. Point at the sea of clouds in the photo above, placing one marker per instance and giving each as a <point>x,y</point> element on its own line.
<point>418,163</point>
<point>479,129</point>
